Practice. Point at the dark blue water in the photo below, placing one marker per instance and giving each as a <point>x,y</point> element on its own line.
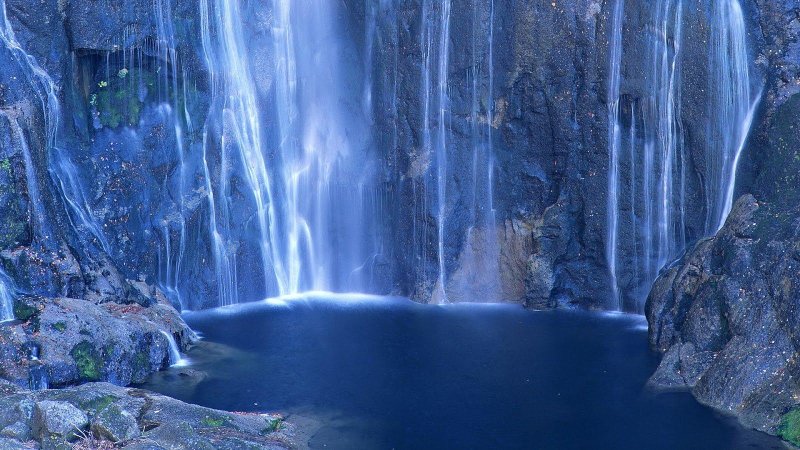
<point>392,374</point>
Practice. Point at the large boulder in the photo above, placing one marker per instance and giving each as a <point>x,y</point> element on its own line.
<point>57,420</point>
<point>60,342</point>
<point>726,317</point>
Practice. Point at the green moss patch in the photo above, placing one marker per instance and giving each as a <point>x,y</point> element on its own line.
<point>25,311</point>
<point>789,430</point>
<point>89,363</point>
<point>98,404</point>
<point>273,425</point>
<point>214,422</point>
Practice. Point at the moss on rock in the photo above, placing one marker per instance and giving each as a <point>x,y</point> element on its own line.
<point>89,364</point>
<point>789,429</point>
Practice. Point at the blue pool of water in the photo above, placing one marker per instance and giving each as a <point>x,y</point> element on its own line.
<point>387,373</point>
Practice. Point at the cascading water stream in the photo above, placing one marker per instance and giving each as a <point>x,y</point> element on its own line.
<point>310,175</point>
<point>478,274</point>
<point>641,243</point>
<point>6,298</point>
<point>243,119</point>
<point>666,135</point>
<point>441,146</point>
<point>224,261</point>
<point>732,108</point>
<point>435,42</point>
<point>655,161</point>
<point>175,357</point>
<point>174,114</point>
<point>614,142</point>
<point>60,167</point>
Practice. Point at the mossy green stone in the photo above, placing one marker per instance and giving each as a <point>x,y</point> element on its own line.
<point>214,422</point>
<point>24,311</point>
<point>789,429</point>
<point>89,364</point>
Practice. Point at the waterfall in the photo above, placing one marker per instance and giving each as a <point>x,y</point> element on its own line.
<point>640,243</point>
<point>330,200</point>
<point>653,234</point>
<point>175,357</point>
<point>441,147</point>
<point>38,212</point>
<point>732,108</point>
<point>174,114</point>
<point>614,143</point>
<point>665,136</point>
<point>224,260</point>
<point>477,275</point>
<point>6,298</point>
<point>241,121</point>
<point>435,43</point>
<point>310,175</point>
<point>60,168</point>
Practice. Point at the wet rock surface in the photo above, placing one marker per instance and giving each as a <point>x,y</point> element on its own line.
<point>62,342</point>
<point>726,317</point>
<point>101,415</point>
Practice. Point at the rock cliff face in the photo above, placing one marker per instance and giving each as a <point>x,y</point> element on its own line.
<point>726,314</point>
<point>485,136</point>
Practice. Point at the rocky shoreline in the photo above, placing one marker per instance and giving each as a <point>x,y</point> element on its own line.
<point>80,348</point>
<point>105,416</point>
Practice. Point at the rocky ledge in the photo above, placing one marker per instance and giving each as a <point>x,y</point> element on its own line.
<point>63,341</point>
<point>105,416</point>
<point>726,317</point>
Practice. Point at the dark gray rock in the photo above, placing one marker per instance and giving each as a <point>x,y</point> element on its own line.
<point>57,420</point>
<point>19,431</point>
<point>724,316</point>
<point>10,444</point>
<point>115,424</point>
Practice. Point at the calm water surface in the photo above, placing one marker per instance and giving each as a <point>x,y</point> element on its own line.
<point>386,373</point>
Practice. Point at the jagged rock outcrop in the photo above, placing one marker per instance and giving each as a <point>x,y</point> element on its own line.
<point>726,317</point>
